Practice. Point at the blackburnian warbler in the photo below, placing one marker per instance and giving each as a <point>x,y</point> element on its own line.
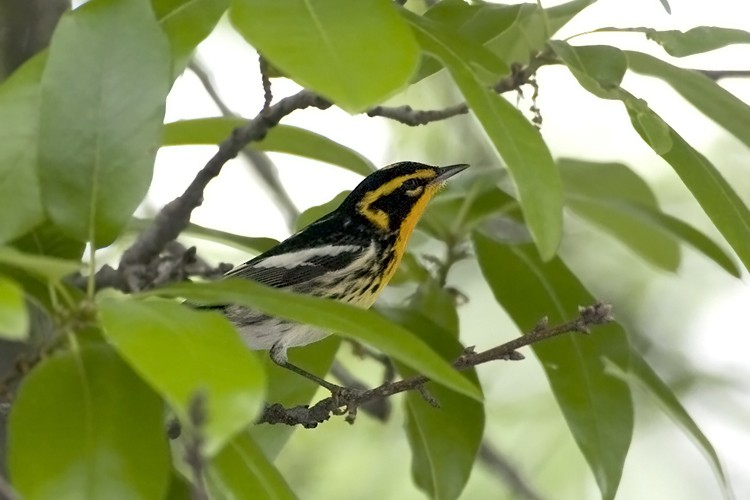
<point>349,255</point>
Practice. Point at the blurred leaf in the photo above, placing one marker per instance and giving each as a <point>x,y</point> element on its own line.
<point>521,146</point>
<point>705,94</point>
<point>714,194</point>
<point>241,470</point>
<point>665,4</point>
<point>254,244</point>
<point>314,213</point>
<point>598,68</point>
<point>47,239</point>
<point>609,195</point>
<point>448,214</point>
<point>280,139</point>
<point>179,488</point>
<point>102,106</point>
<point>344,319</point>
<point>693,41</point>
<point>436,303</point>
<point>84,424</point>
<point>355,53</point>
<point>14,320</point>
<point>50,268</point>
<point>409,271</point>
<point>719,201</point>
<point>532,28</point>
<point>444,441</point>
<point>596,405</point>
<point>642,375</point>
<point>20,207</point>
<point>182,353</point>
<point>288,388</point>
<point>187,23</point>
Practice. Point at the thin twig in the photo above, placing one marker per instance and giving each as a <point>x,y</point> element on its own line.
<point>258,159</point>
<point>596,314</point>
<point>194,447</point>
<point>503,466</point>
<point>726,73</point>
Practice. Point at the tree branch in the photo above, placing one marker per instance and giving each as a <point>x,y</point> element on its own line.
<point>597,314</point>
<point>725,73</point>
<point>504,468</point>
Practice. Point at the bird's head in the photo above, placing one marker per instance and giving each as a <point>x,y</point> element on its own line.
<point>394,198</point>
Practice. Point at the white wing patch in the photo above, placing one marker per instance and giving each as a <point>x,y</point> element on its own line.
<point>294,259</point>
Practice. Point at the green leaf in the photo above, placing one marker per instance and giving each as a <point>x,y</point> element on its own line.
<point>187,23</point>
<point>344,319</point>
<point>719,201</point>
<point>314,213</point>
<point>84,425</point>
<point>521,146</point>
<point>247,243</point>
<point>598,68</point>
<point>444,441</point>
<point>181,353</point>
<point>102,106</point>
<point>532,28</point>
<point>693,41</point>
<point>20,206</point>
<point>705,94</point>
<point>596,405</point>
<point>643,376</point>
<point>280,139</point>
<point>47,239</point>
<point>355,53</point>
<point>614,198</point>
<point>45,267</point>
<point>14,320</point>
<point>241,470</point>
<point>665,4</point>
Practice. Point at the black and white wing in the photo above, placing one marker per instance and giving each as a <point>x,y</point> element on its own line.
<point>294,268</point>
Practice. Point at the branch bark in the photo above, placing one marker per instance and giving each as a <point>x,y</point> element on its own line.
<point>311,416</point>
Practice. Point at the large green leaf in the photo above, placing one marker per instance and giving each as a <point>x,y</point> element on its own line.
<point>280,139</point>
<point>186,23</point>
<point>343,319</point>
<point>14,320</point>
<point>355,53</point>
<point>85,426</point>
<point>183,353</point>
<point>597,406</point>
<point>48,239</point>
<point>241,470</point>
<point>598,68</point>
<point>693,41</point>
<point>20,207</point>
<point>643,376</point>
<point>521,146</point>
<point>445,440</point>
<point>705,94</point>
<point>102,106</point>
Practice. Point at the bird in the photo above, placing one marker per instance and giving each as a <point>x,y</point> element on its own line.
<point>348,255</point>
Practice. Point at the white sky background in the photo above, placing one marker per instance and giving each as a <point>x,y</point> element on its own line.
<point>717,331</point>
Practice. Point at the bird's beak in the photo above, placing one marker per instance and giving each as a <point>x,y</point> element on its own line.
<point>445,172</point>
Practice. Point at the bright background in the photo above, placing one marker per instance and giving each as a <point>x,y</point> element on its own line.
<point>696,319</point>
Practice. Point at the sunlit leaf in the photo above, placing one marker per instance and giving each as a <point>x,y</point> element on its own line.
<point>186,23</point>
<point>84,424</point>
<point>14,320</point>
<point>343,319</point>
<point>521,146</point>
<point>182,354</point>
<point>599,68</point>
<point>280,139</point>
<point>241,470</point>
<point>705,94</point>
<point>445,440</point>
<point>693,41</point>
<point>355,53</point>
<point>597,406</point>
<point>20,206</point>
<point>102,106</point>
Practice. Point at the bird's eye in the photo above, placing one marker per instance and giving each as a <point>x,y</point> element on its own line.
<point>412,187</point>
